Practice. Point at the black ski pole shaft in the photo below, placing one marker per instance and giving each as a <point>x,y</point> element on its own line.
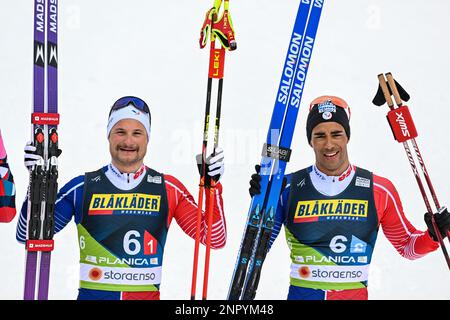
<point>212,188</point>
<point>201,189</point>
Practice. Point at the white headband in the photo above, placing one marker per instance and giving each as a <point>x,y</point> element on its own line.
<point>129,112</point>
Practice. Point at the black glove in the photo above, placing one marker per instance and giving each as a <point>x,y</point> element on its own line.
<point>442,219</point>
<point>214,166</point>
<point>255,183</point>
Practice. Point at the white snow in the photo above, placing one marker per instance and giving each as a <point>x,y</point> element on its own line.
<point>112,48</point>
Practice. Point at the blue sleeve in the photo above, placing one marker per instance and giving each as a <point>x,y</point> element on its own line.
<point>280,215</point>
<point>68,204</point>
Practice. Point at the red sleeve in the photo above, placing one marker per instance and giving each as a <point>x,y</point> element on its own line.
<point>183,208</point>
<point>408,241</point>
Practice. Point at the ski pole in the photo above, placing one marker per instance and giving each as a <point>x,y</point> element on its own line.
<point>212,187</point>
<point>403,128</point>
<point>214,28</point>
<point>398,101</point>
<point>205,32</point>
<point>393,85</point>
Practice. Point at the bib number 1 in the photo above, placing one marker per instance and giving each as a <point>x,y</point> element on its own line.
<point>132,243</point>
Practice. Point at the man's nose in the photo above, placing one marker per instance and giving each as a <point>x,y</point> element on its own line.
<point>328,142</point>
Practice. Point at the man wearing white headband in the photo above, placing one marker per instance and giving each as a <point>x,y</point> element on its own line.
<point>123,211</point>
<point>128,150</point>
<point>129,112</point>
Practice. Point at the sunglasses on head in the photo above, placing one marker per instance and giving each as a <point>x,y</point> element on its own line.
<point>126,101</point>
<point>338,102</point>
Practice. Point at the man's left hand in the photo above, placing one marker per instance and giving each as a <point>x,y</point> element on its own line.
<point>442,219</point>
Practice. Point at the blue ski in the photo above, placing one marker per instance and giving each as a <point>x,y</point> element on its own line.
<point>276,152</point>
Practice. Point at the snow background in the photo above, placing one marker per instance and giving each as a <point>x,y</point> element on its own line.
<point>108,49</point>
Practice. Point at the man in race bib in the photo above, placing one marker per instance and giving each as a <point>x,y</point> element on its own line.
<point>332,211</point>
<point>123,211</point>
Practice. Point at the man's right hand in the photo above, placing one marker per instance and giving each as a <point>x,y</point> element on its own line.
<point>30,158</point>
<point>255,183</point>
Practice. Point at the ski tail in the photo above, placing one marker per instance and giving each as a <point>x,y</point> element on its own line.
<point>43,186</point>
<point>48,226</point>
<point>36,175</point>
<point>283,153</point>
<point>272,151</point>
